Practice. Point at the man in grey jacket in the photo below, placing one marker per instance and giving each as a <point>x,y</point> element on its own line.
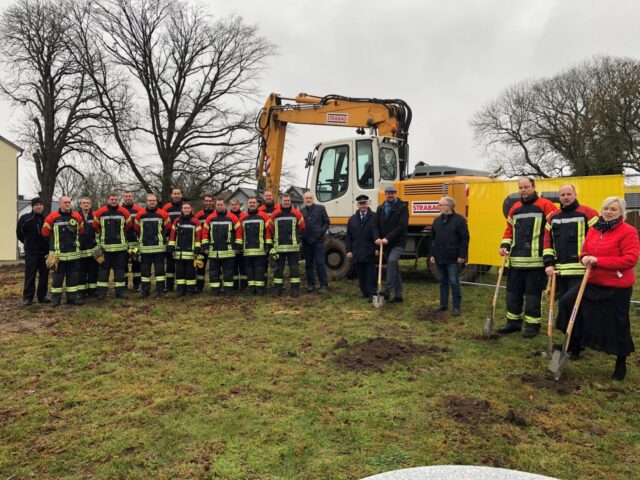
<point>316,223</point>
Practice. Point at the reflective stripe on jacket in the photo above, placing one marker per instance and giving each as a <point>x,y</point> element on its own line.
<point>565,232</point>
<point>524,235</point>
<point>63,230</point>
<point>256,233</point>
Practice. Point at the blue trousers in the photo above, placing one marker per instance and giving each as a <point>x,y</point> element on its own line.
<point>314,257</point>
<point>448,273</point>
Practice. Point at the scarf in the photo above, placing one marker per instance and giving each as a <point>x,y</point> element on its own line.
<point>602,225</point>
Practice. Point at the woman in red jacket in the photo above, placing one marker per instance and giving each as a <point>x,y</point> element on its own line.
<point>611,249</point>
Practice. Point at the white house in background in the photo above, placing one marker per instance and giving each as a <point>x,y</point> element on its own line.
<point>9,154</point>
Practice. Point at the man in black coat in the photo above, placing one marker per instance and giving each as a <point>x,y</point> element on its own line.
<point>316,224</point>
<point>449,249</point>
<point>390,230</point>
<point>361,249</point>
<point>36,248</point>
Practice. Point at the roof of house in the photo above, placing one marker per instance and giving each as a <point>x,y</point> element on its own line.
<point>296,191</point>
<point>11,144</point>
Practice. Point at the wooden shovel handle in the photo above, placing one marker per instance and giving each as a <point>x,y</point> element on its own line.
<point>497,290</point>
<point>380,267</point>
<point>576,306</point>
<point>552,299</point>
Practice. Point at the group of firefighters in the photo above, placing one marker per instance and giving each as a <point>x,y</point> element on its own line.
<point>85,246</point>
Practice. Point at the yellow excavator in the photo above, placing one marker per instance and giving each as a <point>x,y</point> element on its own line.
<point>341,170</point>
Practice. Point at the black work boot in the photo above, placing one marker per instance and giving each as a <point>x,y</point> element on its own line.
<point>295,291</point>
<point>144,292</point>
<point>56,298</point>
<point>621,369</point>
<point>510,327</point>
<point>277,292</point>
<point>75,299</point>
<point>531,330</point>
<point>439,309</point>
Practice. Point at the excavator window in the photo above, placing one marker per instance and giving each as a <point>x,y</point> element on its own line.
<point>333,173</point>
<point>364,153</point>
<point>388,164</point>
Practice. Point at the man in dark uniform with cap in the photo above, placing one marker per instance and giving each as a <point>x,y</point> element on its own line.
<point>390,230</point>
<point>361,249</point>
<point>36,248</point>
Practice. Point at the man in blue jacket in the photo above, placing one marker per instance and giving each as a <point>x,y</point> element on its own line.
<point>316,223</point>
<point>361,249</point>
<point>449,250</point>
<point>36,249</point>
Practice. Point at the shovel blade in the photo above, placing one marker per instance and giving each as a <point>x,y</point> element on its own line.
<point>378,301</point>
<point>488,326</point>
<point>557,363</point>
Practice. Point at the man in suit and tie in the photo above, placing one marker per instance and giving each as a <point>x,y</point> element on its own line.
<point>361,249</point>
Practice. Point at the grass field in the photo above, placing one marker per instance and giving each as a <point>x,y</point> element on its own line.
<point>273,389</point>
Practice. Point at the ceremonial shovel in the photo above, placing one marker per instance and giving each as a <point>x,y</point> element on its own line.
<point>560,357</point>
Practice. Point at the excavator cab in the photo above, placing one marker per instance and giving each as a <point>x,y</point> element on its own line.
<point>344,169</point>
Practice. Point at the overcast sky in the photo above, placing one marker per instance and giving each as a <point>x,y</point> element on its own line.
<point>445,59</point>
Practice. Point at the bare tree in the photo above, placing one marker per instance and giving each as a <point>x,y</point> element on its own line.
<point>507,129</point>
<point>196,77</point>
<point>42,79</point>
<point>580,122</point>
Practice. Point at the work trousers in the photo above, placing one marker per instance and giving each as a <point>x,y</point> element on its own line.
<point>200,273</point>
<point>185,277</point>
<point>524,289</point>
<point>135,273</point>
<point>366,273</point>
<point>240,280</point>
<point>294,271</point>
<point>157,261</point>
<point>449,274</point>
<point>87,276</point>
<point>170,271</point>
<point>314,259</point>
<point>116,261</point>
<point>66,273</point>
<point>35,264</point>
<point>394,280</point>
<point>255,267</point>
<point>564,284</point>
<point>221,275</point>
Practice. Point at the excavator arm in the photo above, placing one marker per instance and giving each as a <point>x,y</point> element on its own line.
<point>389,118</point>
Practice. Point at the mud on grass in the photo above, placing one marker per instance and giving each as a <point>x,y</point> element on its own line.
<point>377,354</point>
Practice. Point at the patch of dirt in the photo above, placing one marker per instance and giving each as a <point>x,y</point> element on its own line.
<point>375,354</point>
<point>562,387</point>
<point>468,410</point>
<point>426,315</point>
<point>517,418</point>
<point>342,343</point>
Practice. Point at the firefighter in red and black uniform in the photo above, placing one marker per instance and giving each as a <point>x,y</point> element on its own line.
<point>269,206</point>
<point>63,229</point>
<point>152,225</point>
<point>184,245</point>
<point>87,265</point>
<point>222,237</point>
<point>112,223</point>
<point>207,209</point>
<point>523,241</point>
<point>564,235</point>
<point>256,244</point>
<point>286,225</point>
<point>239,272</point>
<point>132,239</point>
<point>174,210</point>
